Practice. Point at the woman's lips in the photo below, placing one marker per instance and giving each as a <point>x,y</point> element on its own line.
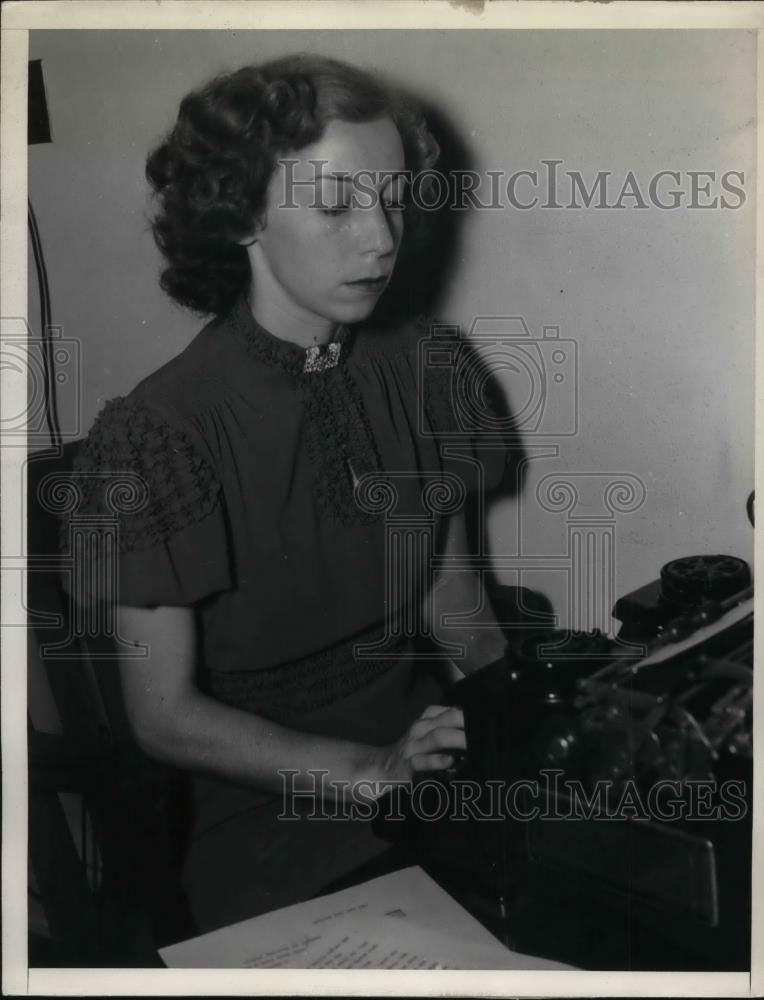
<point>369,284</point>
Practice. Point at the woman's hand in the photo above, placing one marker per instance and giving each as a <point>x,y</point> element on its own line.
<point>424,747</point>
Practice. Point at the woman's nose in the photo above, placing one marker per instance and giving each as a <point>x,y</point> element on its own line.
<point>377,234</point>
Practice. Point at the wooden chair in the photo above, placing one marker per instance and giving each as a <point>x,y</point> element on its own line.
<point>107,880</point>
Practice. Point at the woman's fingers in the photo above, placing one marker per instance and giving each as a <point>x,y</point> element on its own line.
<point>441,738</point>
<point>449,717</point>
<point>433,710</point>
<point>430,743</point>
<point>431,761</point>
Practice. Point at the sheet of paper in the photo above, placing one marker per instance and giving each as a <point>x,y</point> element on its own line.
<point>397,921</point>
<point>342,947</point>
<point>393,943</point>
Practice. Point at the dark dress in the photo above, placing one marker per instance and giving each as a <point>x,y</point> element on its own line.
<point>280,487</point>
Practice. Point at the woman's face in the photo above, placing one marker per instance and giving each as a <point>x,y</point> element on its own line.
<point>328,246</point>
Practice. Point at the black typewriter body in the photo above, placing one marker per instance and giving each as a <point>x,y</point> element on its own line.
<point>611,777</point>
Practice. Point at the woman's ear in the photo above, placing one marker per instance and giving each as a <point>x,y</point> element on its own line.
<point>250,238</point>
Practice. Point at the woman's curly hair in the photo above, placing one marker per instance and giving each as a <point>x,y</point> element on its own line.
<point>210,174</point>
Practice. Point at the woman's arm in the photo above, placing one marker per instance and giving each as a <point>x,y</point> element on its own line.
<point>460,593</point>
<point>173,721</point>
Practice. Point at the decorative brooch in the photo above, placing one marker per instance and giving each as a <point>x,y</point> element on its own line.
<point>319,360</point>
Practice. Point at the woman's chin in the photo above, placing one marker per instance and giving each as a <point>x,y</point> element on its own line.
<point>355,312</point>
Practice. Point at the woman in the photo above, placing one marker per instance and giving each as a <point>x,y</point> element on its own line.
<point>256,571</point>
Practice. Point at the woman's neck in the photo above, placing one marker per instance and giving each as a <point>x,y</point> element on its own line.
<point>288,325</point>
<point>280,315</point>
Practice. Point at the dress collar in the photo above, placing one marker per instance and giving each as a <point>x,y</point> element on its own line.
<point>285,354</point>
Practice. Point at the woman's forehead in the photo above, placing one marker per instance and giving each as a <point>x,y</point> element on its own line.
<point>351,147</point>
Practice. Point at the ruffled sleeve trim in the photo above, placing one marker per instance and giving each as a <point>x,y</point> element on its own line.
<point>176,485</point>
<point>149,528</point>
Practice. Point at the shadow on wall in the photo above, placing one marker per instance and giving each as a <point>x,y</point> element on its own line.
<point>428,259</point>
<point>430,250</point>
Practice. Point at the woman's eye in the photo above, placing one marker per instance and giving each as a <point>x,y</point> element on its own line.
<point>333,211</point>
<point>394,206</point>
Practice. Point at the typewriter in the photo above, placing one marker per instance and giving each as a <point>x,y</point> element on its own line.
<point>613,774</point>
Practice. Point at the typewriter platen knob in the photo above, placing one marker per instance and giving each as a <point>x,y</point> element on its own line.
<point>694,579</point>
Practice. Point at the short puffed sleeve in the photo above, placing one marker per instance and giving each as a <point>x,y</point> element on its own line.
<point>148,528</point>
<point>466,408</point>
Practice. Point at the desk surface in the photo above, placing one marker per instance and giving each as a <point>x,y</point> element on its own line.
<point>565,927</point>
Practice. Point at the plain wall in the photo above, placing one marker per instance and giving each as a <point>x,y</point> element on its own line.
<point>659,303</point>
